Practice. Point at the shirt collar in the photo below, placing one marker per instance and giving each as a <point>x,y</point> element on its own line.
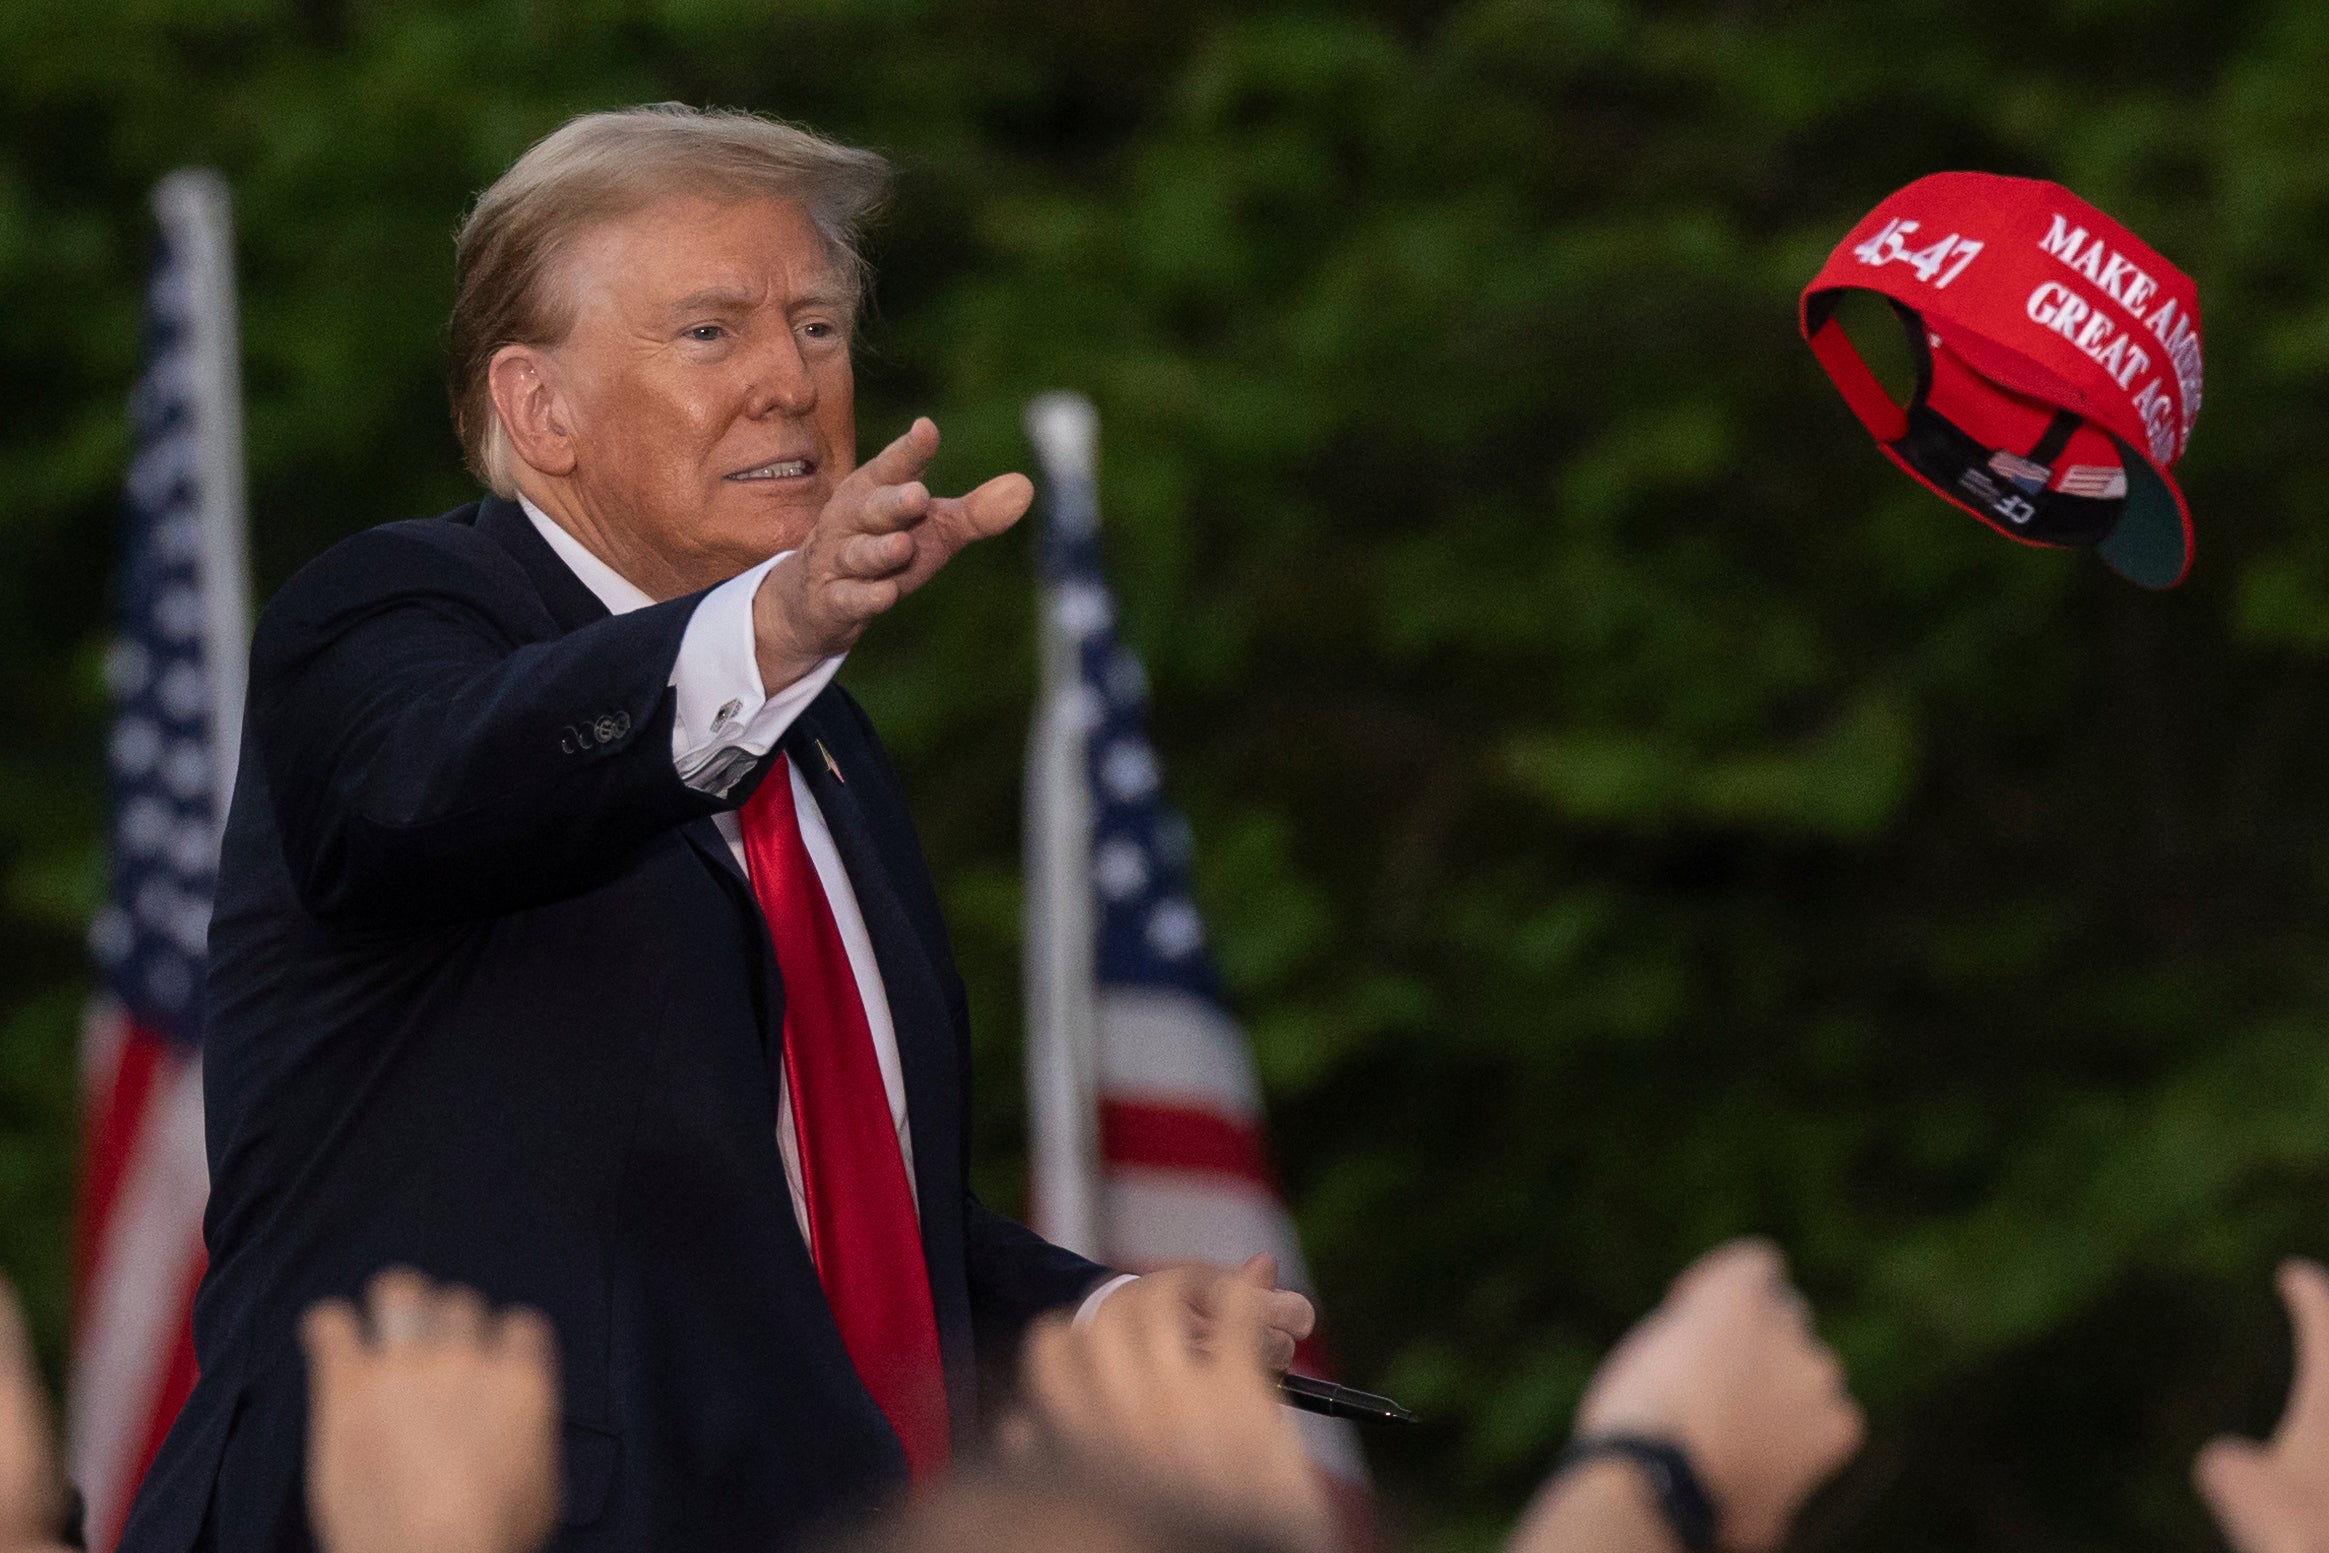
<point>618,593</point>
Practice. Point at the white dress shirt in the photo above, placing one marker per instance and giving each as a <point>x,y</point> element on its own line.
<point>726,722</point>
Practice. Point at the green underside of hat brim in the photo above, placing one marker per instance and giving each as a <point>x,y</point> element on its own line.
<point>2146,546</point>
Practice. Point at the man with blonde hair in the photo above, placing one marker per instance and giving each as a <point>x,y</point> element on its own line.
<point>572,941</point>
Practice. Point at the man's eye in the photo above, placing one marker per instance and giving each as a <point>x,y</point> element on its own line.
<point>819,331</point>
<point>706,333</point>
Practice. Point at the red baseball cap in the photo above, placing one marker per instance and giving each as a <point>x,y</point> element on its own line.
<point>2058,364</point>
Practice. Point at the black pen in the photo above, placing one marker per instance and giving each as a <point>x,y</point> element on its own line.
<point>1326,1398</point>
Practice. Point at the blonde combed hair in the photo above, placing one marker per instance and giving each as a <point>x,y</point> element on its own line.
<point>602,166</point>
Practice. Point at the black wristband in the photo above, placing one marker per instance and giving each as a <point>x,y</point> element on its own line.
<point>1689,1510</point>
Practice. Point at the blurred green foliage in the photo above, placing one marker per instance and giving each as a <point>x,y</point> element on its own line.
<point>1629,813</point>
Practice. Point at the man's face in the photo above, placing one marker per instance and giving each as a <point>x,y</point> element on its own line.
<point>706,381</point>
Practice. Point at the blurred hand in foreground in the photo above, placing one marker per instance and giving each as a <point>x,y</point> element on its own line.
<point>1729,1369</point>
<point>1181,1415</point>
<point>432,1422</point>
<point>2274,1497</point>
<point>32,1489</point>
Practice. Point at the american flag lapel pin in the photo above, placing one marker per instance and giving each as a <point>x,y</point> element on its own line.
<point>830,764</point>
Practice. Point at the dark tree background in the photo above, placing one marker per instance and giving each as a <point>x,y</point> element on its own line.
<point>1628,812</point>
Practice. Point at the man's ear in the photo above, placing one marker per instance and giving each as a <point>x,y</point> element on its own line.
<point>524,384</point>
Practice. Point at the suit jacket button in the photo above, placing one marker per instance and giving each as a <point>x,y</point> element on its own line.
<point>611,726</point>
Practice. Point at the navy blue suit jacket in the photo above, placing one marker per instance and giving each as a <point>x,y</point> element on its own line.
<point>490,997</point>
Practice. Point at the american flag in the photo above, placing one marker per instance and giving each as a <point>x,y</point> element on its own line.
<point>1146,1135</point>
<point>176,671</point>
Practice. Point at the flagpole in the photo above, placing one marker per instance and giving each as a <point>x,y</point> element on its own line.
<point>1062,1025</point>
<point>177,670</point>
<point>196,215</point>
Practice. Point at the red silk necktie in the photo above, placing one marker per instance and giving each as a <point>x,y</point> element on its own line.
<point>864,1236</point>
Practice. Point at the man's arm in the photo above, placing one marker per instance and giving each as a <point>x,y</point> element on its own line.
<point>1016,1276</point>
<point>426,765</point>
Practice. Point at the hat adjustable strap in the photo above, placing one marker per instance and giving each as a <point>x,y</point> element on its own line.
<point>2054,439</point>
<point>2007,490</point>
<point>1886,421</point>
<point>2014,501</point>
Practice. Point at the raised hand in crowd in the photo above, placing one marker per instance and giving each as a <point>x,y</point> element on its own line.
<point>432,1422</point>
<point>2274,1497</point>
<point>1179,1415</point>
<point>32,1489</point>
<point>1728,1372</point>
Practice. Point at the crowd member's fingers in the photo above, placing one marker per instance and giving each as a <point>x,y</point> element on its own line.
<point>397,1305</point>
<point>1140,1403</point>
<point>525,1336</point>
<point>332,1333</point>
<point>458,1315</point>
<point>1748,1268</point>
<point>2274,1497</point>
<point>1729,1369</point>
<point>15,1340</point>
<point>2249,1494</point>
<point>438,1428</point>
<point>2304,1292</point>
<point>32,1489</point>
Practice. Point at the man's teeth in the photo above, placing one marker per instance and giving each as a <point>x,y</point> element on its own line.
<point>782,469</point>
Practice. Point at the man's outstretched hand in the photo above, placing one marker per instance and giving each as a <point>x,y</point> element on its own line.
<point>432,1422</point>
<point>1286,1316</point>
<point>881,536</point>
<point>2274,1497</point>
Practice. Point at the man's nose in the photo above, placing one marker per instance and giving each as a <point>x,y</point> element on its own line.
<point>781,381</point>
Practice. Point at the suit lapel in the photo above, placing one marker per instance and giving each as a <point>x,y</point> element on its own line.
<point>705,837</point>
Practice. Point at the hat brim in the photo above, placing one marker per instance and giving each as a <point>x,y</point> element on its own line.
<point>2151,544</point>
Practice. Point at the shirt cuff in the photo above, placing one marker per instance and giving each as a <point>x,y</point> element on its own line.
<point>726,723</point>
<point>1091,1305</point>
